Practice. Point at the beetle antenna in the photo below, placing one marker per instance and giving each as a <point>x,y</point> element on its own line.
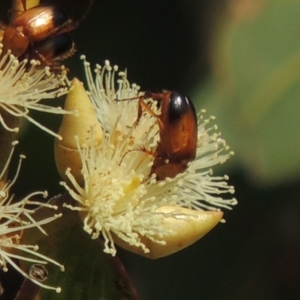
<point>143,149</point>
<point>83,16</point>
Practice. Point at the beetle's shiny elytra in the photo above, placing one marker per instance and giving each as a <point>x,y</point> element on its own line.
<point>40,22</point>
<point>54,48</point>
<point>40,33</point>
<point>178,132</point>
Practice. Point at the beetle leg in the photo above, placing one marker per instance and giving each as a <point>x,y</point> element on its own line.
<point>43,59</point>
<point>145,106</point>
<point>142,150</point>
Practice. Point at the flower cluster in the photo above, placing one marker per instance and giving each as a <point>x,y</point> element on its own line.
<point>120,199</point>
<point>15,218</point>
<point>23,85</point>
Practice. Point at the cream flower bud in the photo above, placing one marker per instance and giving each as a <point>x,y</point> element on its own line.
<point>75,130</point>
<point>188,226</point>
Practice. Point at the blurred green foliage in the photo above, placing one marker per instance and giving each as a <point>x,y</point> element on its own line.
<point>90,273</point>
<point>254,89</point>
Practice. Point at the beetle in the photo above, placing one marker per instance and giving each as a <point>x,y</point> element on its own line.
<point>40,33</point>
<point>178,132</point>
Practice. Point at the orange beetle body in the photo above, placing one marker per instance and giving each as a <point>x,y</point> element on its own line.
<point>40,22</point>
<point>14,40</point>
<point>40,33</point>
<point>178,132</point>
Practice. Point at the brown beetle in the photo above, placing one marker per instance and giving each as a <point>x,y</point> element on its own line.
<point>178,132</point>
<point>41,33</point>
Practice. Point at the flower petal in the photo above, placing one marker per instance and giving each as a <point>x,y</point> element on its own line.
<point>79,126</point>
<point>189,226</point>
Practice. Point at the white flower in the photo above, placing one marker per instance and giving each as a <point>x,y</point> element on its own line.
<point>120,196</point>
<point>15,217</point>
<point>23,85</point>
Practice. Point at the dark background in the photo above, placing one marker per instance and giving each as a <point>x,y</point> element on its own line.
<point>256,253</point>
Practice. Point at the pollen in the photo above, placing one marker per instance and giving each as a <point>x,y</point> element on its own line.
<point>132,186</point>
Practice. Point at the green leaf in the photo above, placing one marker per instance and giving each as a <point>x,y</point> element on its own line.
<point>89,272</point>
<point>256,89</point>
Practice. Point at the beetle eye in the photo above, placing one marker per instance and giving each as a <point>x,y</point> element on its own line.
<point>179,105</point>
